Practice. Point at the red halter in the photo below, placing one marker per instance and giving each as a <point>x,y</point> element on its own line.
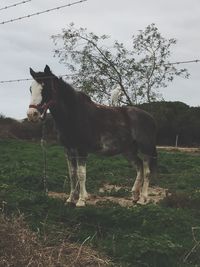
<point>42,108</point>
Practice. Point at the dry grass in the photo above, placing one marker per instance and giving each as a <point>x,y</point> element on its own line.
<point>21,247</point>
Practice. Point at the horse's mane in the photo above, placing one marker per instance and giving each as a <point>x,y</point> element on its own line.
<point>67,88</point>
<point>84,97</point>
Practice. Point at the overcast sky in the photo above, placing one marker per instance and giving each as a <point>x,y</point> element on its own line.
<point>27,43</point>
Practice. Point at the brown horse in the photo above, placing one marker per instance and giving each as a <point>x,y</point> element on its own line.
<point>86,127</point>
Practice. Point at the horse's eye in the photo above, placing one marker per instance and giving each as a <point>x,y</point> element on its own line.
<point>30,90</point>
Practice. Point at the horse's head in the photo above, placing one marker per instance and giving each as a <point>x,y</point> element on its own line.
<point>41,94</point>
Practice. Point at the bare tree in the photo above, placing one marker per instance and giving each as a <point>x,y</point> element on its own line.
<point>97,68</point>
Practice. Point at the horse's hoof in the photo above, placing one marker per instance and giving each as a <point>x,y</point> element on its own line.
<point>80,203</point>
<point>144,199</point>
<point>87,196</point>
<point>136,197</point>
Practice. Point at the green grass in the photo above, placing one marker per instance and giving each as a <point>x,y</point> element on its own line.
<point>179,171</point>
<point>151,235</point>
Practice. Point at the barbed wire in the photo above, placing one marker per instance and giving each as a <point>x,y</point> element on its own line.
<point>73,75</point>
<point>41,12</point>
<point>14,5</point>
<point>17,80</point>
<point>30,79</point>
<point>184,62</point>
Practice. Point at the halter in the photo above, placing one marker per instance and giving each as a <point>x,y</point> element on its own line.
<point>42,108</point>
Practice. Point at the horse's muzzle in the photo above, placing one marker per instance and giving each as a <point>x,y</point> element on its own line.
<point>33,115</point>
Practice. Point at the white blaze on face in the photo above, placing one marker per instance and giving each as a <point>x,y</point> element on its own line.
<point>36,98</point>
<point>36,93</point>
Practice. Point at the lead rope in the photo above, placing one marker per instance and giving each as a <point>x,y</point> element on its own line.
<point>44,151</point>
<point>43,146</point>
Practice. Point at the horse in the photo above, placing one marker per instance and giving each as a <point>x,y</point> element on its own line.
<point>87,127</point>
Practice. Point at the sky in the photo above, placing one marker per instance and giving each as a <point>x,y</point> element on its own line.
<point>27,43</point>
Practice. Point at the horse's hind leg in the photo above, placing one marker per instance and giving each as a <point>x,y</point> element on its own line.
<point>136,189</point>
<point>147,174</point>
<point>150,170</point>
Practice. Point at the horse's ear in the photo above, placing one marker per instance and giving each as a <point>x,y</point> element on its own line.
<point>47,70</point>
<point>32,72</point>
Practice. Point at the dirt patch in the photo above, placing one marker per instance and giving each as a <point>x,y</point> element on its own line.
<point>155,195</point>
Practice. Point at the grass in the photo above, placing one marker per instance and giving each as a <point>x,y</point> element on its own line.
<point>179,171</point>
<point>151,235</point>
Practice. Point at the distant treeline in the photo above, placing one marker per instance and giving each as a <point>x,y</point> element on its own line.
<point>177,124</point>
<point>14,129</point>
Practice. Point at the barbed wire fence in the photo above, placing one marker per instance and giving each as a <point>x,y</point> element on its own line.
<point>183,62</point>
<point>14,5</point>
<point>30,79</point>
<point>72,75</point>
<point>41,12</point>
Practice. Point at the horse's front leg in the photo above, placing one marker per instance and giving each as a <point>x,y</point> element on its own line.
<point>72,168</point>
<point>81,172</point>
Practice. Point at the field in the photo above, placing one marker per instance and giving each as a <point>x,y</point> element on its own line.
<point>155,235</point>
